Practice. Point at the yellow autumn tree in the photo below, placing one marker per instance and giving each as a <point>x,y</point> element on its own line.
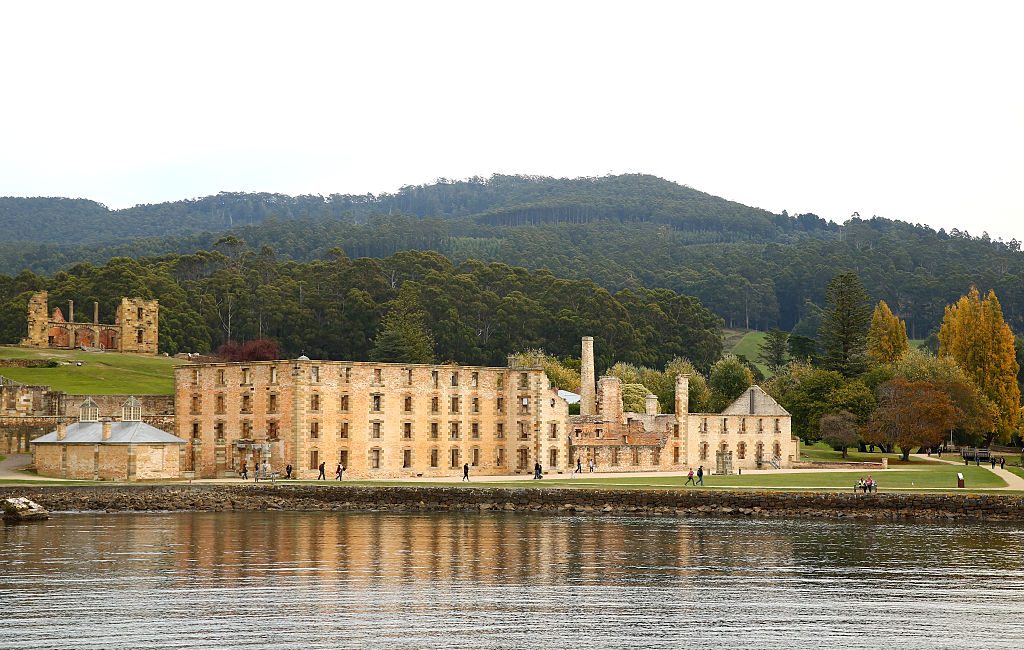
<point>887,336</point>
<point>975,336</point>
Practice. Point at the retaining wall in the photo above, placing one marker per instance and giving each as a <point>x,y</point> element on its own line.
<point>255,497</point>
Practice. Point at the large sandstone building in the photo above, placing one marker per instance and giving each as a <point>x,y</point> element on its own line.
<point>385,420</point>
<point>135,327</point>
<point>379,420</point>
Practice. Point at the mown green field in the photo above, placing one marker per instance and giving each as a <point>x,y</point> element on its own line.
<point>101,373</point>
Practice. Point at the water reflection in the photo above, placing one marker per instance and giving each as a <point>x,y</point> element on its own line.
<point>223,580</point>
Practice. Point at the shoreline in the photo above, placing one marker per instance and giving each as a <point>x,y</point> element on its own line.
<point>421,498</point>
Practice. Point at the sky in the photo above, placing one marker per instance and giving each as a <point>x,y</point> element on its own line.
<point>907,110</point>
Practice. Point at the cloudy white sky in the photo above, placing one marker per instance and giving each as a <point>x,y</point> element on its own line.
<point>902,109</point>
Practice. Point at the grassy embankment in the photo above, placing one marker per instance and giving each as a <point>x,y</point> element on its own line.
<point>101,373</point>
<point>747,343</point>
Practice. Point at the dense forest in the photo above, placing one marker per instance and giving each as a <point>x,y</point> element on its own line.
<point>750,267</point>
<point>476,313</point>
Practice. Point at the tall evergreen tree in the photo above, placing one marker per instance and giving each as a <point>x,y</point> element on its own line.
<point>403,336</point>
<point>975,336</point>
<point>844,327</point>
<point>772,351</point>
<point>887,336</point>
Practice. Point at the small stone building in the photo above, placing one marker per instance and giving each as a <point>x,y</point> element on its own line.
<point>109,450</point>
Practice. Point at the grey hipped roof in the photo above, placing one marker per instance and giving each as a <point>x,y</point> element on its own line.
<point>754,401</point>
<point>121,433</point>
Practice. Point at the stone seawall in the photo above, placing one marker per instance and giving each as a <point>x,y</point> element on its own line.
<point>545,500</point>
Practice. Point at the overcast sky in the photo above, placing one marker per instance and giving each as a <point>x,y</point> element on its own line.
<point>907,110</point>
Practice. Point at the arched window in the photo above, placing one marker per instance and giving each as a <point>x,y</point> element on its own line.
<point>777,449</point>
<point>759,452</point>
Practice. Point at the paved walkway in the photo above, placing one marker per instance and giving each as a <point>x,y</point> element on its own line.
<point>13,462</point>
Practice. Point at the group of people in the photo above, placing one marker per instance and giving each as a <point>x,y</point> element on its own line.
<point>339,473</point>
<point>866,485</point>
<point>700,476</point>
<point>243,471</point>
<point>579,465</point>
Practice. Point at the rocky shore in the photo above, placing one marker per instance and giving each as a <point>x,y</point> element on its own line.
<point>542,500</point>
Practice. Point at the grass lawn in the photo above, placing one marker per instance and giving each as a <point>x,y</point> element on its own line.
<point>1019,471</point>
<point>820,452</point>
<point>749,346</point>
<point>101,373</point>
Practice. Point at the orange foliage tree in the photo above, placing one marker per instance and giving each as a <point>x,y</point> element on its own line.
<point>909,414</point>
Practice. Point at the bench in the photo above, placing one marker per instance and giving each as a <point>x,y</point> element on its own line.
<point>266,475</point>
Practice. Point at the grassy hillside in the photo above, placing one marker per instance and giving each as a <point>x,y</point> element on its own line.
<point>101,373</point>
<point>748,345</point>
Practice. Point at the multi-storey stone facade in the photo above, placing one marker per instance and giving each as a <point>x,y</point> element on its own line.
<point>135,327</point>
<point>379,420</point>
<point>754,432</point>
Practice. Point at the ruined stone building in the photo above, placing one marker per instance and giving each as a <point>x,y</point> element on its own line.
<point>109,449</point>
<point>386,420</point>
<point>379,420</point>
<point>754,432</point>
<point>135,327</point>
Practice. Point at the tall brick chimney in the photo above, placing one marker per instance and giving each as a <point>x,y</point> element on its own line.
<point>682,395</point>
<point>588,383</point>
<point>96,313</point>
<point>62,430</point>
<point>71,311</point>
<point>106,429</point>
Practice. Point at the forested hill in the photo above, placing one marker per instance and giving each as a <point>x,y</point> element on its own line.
<point>751,267</point>
<point>499,200</point>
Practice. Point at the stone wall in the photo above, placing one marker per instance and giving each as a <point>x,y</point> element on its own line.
<point>882,464</point>
<point>693,503</point>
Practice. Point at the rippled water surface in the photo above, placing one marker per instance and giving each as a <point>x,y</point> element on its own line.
<point>326,580</point>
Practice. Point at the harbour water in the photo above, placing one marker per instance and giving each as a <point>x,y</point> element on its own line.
<point>505,580</point>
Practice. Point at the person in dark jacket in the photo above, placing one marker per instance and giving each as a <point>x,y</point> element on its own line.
<point>288,471</point>
<point>322,475</point>
<point>700,476</point>
<point>465,472</point>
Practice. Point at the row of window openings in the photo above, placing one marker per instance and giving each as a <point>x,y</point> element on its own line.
<point>741,450</point>
<point>724,426</point>
<point>454,430</point>
<point>454,458</point>
<point>376,404</point>
<point>378,377</point>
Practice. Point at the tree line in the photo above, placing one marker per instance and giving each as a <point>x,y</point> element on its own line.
<point>338,308</point>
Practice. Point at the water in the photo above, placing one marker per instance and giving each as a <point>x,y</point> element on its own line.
<point>341,580</point>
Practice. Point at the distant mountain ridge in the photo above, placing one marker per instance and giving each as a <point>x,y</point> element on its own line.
<point>498,200</point>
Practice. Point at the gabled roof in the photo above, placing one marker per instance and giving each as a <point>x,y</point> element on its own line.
<point>120,433</point>
<point>754,401</point>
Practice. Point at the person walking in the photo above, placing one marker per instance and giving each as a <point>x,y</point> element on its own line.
<point>256,473</point>
<point>689,478</point>
<point>288,471</point>
<point>337,472</point>
<point>245,472</point>
<point>322,475</point>
<point>592,465</point>
<point>465,472</point>
<point>993,459</point>
<point>700,476</point>
<point>537,471</point>
<point>579,466</point>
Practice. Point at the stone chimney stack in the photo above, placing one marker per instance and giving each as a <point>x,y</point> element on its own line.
<point>588,383</point>
<point>62,430</point>
<point>682,395</point>
<point>96,313</point>
<point>71,311</point>
<point>106,429</point>
<point>651,404</point>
